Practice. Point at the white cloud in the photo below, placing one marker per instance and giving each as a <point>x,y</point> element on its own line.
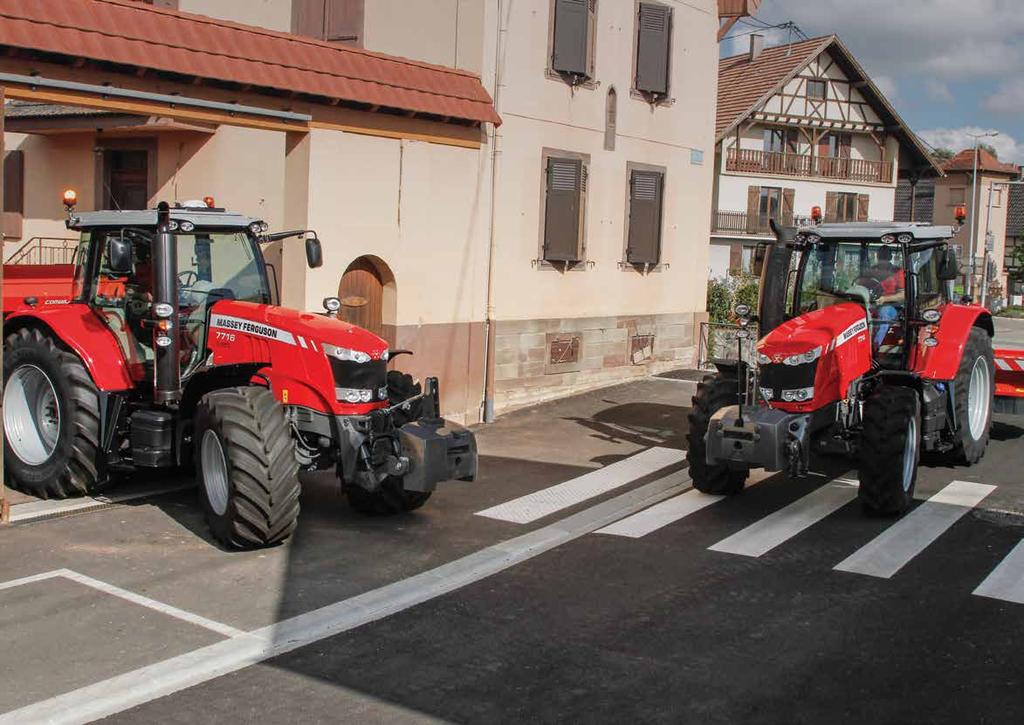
<point>938,91</point>
<point>1008,98</point>
<point>887,85</point>
<point>958,139</point>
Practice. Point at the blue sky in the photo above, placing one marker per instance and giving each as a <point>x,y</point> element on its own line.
<point>950,67</point>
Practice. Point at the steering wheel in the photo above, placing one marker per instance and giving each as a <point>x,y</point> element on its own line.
<point>187,278</point>
<point>873,285</point>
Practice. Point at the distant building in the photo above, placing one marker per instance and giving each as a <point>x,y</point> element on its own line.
<point>802,125</point>
<point>1014,240</point>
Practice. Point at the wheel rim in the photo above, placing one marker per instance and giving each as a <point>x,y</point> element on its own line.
<point>978,398</point>
<point>910,454</point>
<point>31,415</point>
<point>215,473</point>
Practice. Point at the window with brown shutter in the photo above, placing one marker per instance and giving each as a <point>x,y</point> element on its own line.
<point>654,32</point>
<point>845,207</point>
<point>645,197</point>
<point>863,202</point>
<point>788,199</point>
<point>753,208</point>
<point>572,38</point>
<point>339,21</point>
<point>564,207</point>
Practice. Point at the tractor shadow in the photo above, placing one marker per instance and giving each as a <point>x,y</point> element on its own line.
<point>641,424</point>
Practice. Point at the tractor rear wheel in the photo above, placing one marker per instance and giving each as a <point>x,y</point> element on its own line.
<point>715,393</point>
<point>389,499</point>
<point>51,417</point>
<point>247,469</point>
<point>890,450</point>
<point>973,391</point>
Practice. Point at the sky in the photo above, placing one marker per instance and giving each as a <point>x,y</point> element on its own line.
<point>950,67</point>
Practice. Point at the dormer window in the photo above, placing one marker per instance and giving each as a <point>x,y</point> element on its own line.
<point>817,90</point>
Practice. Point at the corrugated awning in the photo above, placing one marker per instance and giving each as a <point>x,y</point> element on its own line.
<point>133,34</point>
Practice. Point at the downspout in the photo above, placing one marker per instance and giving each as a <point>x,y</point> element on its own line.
<point>489,327</point>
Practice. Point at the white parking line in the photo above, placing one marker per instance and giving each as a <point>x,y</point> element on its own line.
<point>547,501</point>
<point>661,515</point>
<point>130,689</point>
<point>777,528</point>
<point>102,586</point>
<point>1006,581</point>
<point>891,550</point>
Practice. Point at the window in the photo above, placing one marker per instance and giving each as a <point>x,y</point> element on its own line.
<point>957,195</point>
<point>646,188</point>
<point>846,207</point>
<point>771,202</point>
<point>14,193</point>
<point>653,43</point>
<point>765,203</point>
<point>572,38</point>
<point>996,195</point>
<point>564,209</point>
<point>339,21</point>
<point>780,140</point>
<point>817,90</point>
<point>836,145</point>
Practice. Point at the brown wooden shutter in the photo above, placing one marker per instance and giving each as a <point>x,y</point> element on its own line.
<point>863,201</point>
<point>753,208</point>
<point>14,182</point>
<point>343,21</point>
<point>652,49</point>
<point>308,18</point>
<point>645,196</point>
<point>563,209</point>
<point>735,257</point>
<point>788,198</point>
<point>571,38</point>
<point>831,205</point>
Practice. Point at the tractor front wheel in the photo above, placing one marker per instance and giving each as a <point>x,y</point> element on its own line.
<point>715,393</point>
<point>247,469</point>
<point>51,417</point>
<point>890,450</point>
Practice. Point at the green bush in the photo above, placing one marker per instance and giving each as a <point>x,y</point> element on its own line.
<point>719,301</point>
<point>725,294</point>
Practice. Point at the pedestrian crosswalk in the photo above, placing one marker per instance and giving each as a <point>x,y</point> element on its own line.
<point>883,557</point>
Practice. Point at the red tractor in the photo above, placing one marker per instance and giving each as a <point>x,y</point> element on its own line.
<point>865,352</point>
<point>158,348</point>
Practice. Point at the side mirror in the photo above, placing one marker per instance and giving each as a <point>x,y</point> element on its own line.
<point>949,267</point>
<point>119,255</point>
<point>314,253</point>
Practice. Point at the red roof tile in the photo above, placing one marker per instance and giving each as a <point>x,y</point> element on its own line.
<point>964,161</point>
<point>134,34</point>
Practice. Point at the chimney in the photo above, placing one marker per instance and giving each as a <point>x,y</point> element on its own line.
<point>756,46</point>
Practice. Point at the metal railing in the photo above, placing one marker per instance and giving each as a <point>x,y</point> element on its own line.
<point>46,250</point>
<point>718,340</point>
<point>741,223</point>
<point>752,161</point>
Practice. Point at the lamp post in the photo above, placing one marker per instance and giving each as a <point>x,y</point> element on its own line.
<point>974,207</point>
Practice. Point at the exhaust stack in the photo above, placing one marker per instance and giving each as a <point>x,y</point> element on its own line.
<point>166,338</point>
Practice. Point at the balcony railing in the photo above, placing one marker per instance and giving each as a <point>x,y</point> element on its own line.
<point>751,161</point>
<point>46,250</point>
<point>741,223</point>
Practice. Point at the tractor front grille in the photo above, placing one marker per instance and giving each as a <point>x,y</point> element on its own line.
<point>373,376</point>
<point>776,377</point>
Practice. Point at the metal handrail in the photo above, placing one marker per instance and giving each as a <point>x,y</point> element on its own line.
<point>62,253</point>
<point>712,345</point>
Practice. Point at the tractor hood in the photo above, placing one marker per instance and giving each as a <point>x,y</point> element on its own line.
<point>823,329</point>
<point>293,327</point>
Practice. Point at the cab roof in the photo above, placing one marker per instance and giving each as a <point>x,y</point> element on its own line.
<point>201,217</point>
<point>876,230</point>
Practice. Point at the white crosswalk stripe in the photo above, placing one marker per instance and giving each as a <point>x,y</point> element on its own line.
<point>1006,581</point>
<point>777,528</point>
<point>547,501</point>
<point>660,515</point>
<point>895,547</point>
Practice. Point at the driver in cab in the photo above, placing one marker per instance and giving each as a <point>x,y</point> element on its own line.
<point>892,280</point>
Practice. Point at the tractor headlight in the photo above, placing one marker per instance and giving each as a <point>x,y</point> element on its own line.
<point>343,353</point>
<point>767,393</point>
<point>763,359</point>
<point>931,316</point>
<point>804,357</point>
<point>797,395</point>
<point>354,395</point>
<point>186,226</point>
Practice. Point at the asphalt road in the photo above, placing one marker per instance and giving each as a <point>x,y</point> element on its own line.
<point>595,587</point>
<point>1009,332</point>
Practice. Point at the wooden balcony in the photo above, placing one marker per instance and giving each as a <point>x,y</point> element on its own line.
<point>750,161</point>
<point>739,223</point>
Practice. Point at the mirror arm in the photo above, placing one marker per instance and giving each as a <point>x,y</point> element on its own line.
<point>278,236</point>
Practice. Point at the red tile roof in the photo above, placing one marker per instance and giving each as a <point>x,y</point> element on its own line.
<point>135,34</point>
<point>964,161</point>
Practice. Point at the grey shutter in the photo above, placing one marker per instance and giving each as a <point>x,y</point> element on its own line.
<point>571,37</point>
<point>14,182</point>
<point>652,49</point>
<point>563,209</point>
<point>344,21</point>
<point>308,18</point>
<point>645,193</point>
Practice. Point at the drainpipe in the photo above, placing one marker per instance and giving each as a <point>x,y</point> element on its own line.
<point>489,327</point>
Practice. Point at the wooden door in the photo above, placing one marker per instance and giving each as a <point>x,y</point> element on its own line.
<point>362,296</point>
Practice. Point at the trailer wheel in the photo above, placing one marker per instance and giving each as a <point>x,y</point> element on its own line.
<point>247,469</point>
<point>388,500</point>
<point>51,419</point>
<point>890,450</point>
<point>973,389</point>
<point>716,392</point>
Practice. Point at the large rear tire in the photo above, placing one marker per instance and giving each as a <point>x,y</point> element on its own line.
<point>247,469</point>
<point>973,392</point>
<point>890,450</point>
<point>715,393</point>
<point>51,419</point>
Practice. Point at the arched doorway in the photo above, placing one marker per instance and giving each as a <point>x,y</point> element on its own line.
<point>367,296</point>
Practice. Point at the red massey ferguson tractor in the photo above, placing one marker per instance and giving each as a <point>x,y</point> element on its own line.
<point>866,352</point>
<point>159,348</point>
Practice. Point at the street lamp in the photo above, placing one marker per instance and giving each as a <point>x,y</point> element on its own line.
<point>974,206</point>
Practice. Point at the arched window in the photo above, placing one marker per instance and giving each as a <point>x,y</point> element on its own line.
<point>611,112</point>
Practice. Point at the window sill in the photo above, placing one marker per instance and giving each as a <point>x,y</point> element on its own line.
<point>666,101</point>
<point>543,265</point>
<point>565,79</point>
